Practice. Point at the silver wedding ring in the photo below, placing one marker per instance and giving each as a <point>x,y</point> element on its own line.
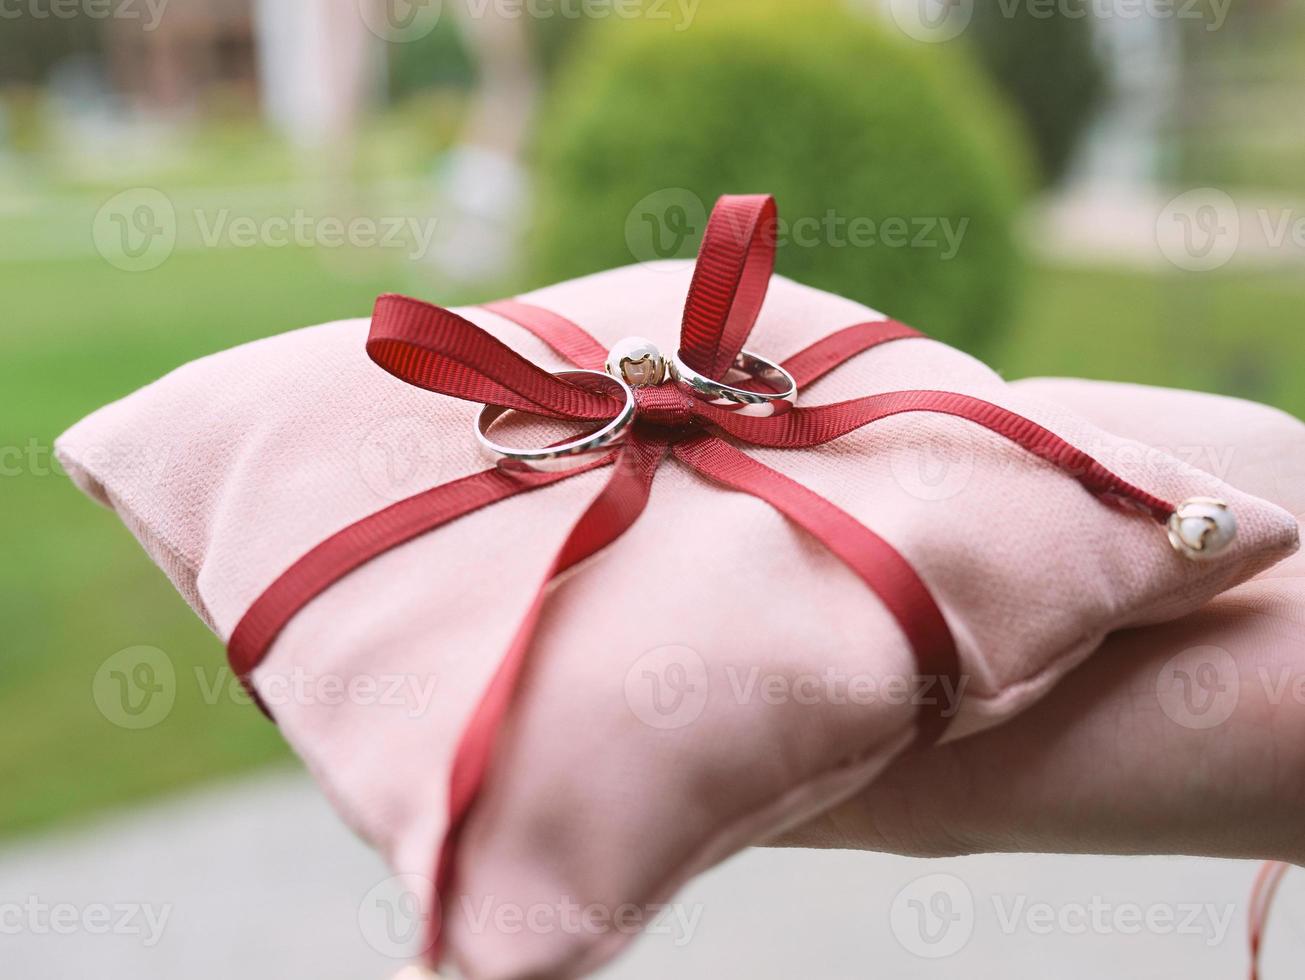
<point>779,399</point>
<point>567,454</point>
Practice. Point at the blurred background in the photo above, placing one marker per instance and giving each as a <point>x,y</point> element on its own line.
<point>1101,188</point>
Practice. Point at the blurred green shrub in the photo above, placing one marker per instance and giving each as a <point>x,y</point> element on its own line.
<point>552,39</point>
<point>438,59</point>
<point>1048,66</point>
<point>843,122</point>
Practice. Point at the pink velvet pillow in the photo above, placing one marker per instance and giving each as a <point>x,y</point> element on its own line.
<point>712,677</point>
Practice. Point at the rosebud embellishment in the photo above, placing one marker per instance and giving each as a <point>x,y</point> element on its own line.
<point>637,362</point>
<point>1202,528</point>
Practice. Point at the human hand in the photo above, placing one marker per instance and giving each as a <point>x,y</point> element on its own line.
<point>1182,738</point>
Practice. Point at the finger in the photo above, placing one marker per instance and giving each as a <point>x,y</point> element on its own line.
<point>1187,738</point>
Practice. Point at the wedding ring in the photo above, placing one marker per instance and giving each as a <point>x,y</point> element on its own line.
<point>779,399</point>
<point>567,454</point>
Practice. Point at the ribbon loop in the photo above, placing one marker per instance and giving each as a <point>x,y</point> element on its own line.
<point>436,349</point>
<point>730,281</point>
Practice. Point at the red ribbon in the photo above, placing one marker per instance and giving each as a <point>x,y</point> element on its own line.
<point>436,349</point>
<point>1267,882</point>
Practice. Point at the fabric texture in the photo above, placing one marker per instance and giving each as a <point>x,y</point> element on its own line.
<point>712,678</point>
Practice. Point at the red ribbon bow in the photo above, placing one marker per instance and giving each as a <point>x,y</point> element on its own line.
<point>436,349</point>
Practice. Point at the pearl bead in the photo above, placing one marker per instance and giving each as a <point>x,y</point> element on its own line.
<point>1201,528</point>
<point>637,362</point>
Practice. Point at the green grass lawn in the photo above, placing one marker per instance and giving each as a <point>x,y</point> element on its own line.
<point>1237,333</point>
<point>75,588</point>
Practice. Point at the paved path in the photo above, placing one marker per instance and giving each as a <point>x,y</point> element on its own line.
<point>1185,230</point>
<point>259,881</point>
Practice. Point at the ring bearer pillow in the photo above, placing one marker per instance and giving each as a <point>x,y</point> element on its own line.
<point>717,626</point>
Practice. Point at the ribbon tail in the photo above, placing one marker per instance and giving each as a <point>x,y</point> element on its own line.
<point>805,427</point>
<point>611,514</point>
<point>873,559</point>
<point>814,362</point>
<point>360,542</point>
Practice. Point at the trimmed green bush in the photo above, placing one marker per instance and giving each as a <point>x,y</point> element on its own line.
<point>860,135</point>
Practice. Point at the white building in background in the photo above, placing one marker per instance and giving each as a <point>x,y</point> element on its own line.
<point>1124,146</point>
<point>318,65</point>
<point>307,65</point>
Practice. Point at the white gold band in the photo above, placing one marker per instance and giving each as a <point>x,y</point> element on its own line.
<point>565,455</point>
<point>780,398</point>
